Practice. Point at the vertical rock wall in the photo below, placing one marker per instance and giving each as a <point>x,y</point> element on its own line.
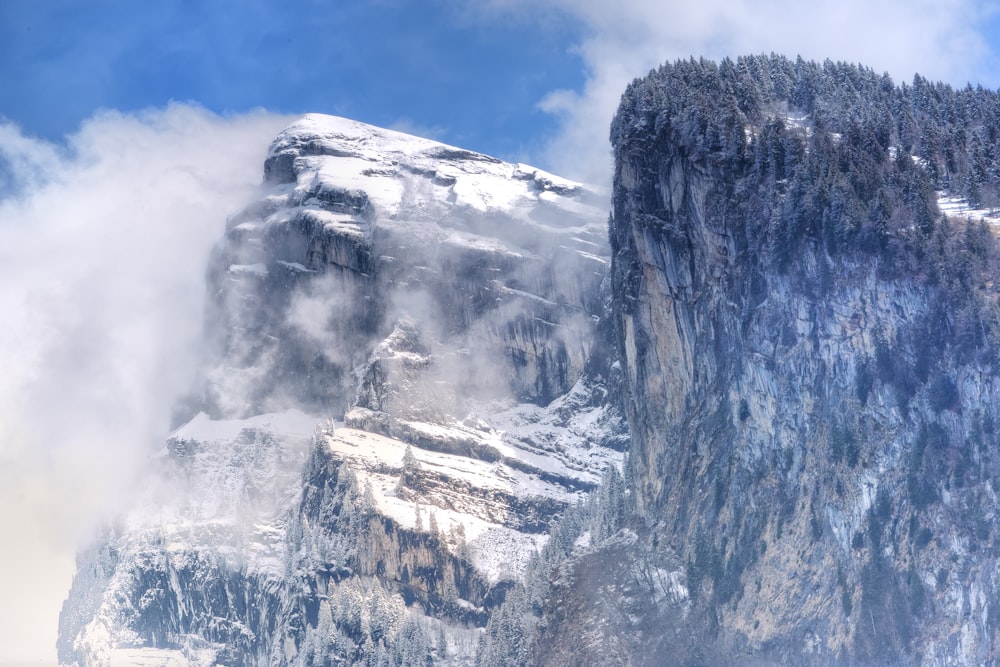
<point>808,429</point>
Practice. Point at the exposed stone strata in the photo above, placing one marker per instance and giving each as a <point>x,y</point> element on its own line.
<point>768,453</point>
<point>428,320</point>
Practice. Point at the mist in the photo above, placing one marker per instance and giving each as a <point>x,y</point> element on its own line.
<point>104,240</point>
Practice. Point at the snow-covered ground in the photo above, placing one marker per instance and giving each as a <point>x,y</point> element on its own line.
<point>292,424</point>
<point>959,207</point>
<point>357,157</point>
<point>219,494</point>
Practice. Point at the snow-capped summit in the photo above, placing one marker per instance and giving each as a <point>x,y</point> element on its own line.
<point>382,163</point>
<point>399,398</point>
<point>405,227</point>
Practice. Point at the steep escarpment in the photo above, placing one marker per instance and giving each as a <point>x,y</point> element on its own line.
<point>359,227</point>
<point>400,396</point>
<point>809,342</point>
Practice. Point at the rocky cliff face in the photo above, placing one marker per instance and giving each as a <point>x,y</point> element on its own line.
<point>359,227</point>
<point>400,397</point>
<point>797,313</point>
<point>809,347</point>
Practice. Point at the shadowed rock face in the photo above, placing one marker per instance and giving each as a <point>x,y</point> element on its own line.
<point>360,226</point>
<point>788,369</point>
<point>405,385</point>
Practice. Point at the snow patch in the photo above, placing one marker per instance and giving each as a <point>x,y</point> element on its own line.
<point>959,207</point>
<point>291,423</point>
<point>402,174</point>
<point>259,270</point>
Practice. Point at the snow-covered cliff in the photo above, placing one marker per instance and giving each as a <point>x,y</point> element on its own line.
<point>400,395</point>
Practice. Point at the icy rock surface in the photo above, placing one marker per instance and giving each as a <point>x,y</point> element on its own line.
<point>401,395</point>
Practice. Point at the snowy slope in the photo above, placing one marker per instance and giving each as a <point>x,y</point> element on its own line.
<point>401,174</point>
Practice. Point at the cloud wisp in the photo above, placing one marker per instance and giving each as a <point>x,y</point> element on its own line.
<point>103,244</point>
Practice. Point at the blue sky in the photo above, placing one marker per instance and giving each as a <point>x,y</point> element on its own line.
<point>521,79</point>
<point>427,65</point>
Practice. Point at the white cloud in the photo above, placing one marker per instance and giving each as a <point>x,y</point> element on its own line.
<point>103,248</point>
<point>941,39</point>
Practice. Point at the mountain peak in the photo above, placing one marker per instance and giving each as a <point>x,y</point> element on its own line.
<point>433,310</point>
<point>401,172</point>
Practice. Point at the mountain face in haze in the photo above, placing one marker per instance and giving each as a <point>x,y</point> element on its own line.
<point>411,447</point>
<point>405,384</point>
